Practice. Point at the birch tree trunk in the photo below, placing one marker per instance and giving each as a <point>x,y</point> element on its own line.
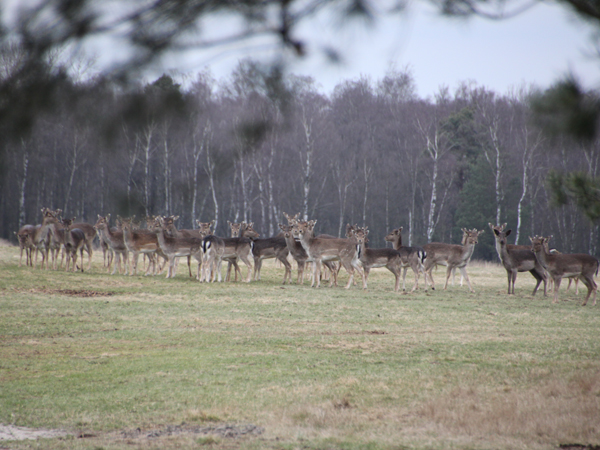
<point>529,150</point>
<point>210,172</point>
<point>23,186</point>
<point>495,164</point>
<point>306,161</point>
<point>167,173</point>
<point>148,132</point>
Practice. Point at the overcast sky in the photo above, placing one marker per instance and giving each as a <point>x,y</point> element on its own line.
<point>536,47</point>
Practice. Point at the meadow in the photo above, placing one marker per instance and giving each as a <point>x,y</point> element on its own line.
<point>121,362</point>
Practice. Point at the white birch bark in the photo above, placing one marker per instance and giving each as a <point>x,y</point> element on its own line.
<point>210,173</point>
<point>23,186</point>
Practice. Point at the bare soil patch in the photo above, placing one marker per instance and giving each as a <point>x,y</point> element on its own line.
<point>13,433</point>
<point>69,292</point>
<point>225,431</point>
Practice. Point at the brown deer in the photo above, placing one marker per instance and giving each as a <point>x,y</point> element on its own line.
<point>267,248</point>
<point>57,233</point>
<point>516,259</point>
<point>176,247</point>
<point>90,234</point>
<point>452,256</point>
<point>566,265</point>
<point>26,243</point>
<point>115,240</point>
<point>140,241</point>
<point>333,268</point>
<point>40,238</point>
<point>320,249</point>
<point>74,241</point>
<point>376,257</point>
<point>240,248</point>
<point>296,250</point>
<point>412,257</point>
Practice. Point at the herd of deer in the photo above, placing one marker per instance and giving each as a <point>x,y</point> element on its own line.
<point>161,239</point>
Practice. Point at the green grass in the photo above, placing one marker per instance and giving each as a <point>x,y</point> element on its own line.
<point>314,369</point>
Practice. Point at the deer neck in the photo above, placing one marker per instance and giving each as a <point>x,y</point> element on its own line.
<point>467,252</point>
<point>543,257</point>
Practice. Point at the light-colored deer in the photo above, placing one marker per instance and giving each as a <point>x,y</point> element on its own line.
<point>376,257</point>
<point>566,265</point>
<point>115,240</point>
<point>412,257</point>
<point>517,259</point>
<point>319,250</point>
<point>452,256</point>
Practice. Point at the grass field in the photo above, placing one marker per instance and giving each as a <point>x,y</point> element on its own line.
<point>122,362</point>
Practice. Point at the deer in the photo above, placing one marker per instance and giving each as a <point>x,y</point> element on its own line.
<point>172,231</point>
<point>40,238</point>
<point>412,257</point>
<point>26,243</point>
<point>115,240</point>
<point>296,250</point>
<point>517,259</point>
<point>234,229</point>
<point>267,248</point>
<point>140,241</point>
<point>332,267</point>
<point>566,265</point>
<point>74,241</point>
<point>90,233</point>
<point>376,257</point>
<point>176,247</point>
<point>236,248</point>
<point>320,249</point>
<point>452,256</point>
<point>57,233</point>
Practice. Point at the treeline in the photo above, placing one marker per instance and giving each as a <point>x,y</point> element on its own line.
<point>250,148</point>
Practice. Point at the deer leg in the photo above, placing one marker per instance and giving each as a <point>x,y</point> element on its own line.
<point>448,275</point>
<point>301,266</point>
<point>316,281</point>
<point>592,287</point>
<point>557,281</point>
<point>365,275</point>
<point>90,252</point>
<point>415,267</point>
<point>257,269</point>
<point>539,280</point>
<point>288,269</point>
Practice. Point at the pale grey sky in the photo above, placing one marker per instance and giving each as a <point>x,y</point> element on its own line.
<point>537,47</point>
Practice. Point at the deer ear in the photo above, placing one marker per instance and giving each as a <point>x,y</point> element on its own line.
<point>497,233</point>
<point>508,232</point>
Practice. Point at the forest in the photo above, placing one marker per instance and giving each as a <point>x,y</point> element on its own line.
<point>247,149</point>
